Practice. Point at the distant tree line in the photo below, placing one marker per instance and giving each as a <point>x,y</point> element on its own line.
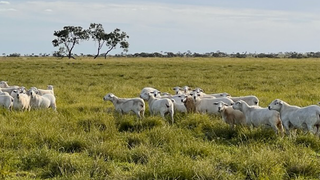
<point>295,55</point>
<point>222,54</point>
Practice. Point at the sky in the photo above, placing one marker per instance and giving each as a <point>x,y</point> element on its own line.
<point>231,26</point>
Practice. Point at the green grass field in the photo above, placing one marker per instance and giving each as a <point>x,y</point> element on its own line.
<point>86,139</point>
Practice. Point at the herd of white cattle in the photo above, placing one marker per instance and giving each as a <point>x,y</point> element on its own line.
<point>19,98</point>
<point>244,111</point>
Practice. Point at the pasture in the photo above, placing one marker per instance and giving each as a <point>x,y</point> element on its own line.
<point>86,139</point>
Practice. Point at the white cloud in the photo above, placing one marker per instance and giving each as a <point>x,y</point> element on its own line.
<point>151,14</point>
<point>186,27</point>
<point>4,2</point>
<point>8,9</point>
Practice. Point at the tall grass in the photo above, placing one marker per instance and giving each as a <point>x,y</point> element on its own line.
<point>86,139</point>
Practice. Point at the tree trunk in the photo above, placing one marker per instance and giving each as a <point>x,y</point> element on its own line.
<point>70,50</point>
<point>97,54</point>
<point>105,56</point>
<point>70,56</point>
<point>99,48</point>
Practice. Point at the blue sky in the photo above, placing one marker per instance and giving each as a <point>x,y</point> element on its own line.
<point>167,26</point>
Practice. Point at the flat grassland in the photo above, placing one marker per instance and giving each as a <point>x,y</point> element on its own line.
<point>86,139</point>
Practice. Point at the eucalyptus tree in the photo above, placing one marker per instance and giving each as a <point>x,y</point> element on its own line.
<point>68,37</point>
<point>111,40</point>
<point>97,33</point>
<point>114,38</point>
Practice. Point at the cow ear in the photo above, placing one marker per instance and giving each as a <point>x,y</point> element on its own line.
<point>281,102</point>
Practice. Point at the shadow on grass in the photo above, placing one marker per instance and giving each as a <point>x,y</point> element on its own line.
<point>88,124</point>
<point>309,140</point>
<point>239,135</point>
<point>132,124</point>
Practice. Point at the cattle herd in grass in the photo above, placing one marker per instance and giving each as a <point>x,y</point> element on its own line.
<point>244,110</point>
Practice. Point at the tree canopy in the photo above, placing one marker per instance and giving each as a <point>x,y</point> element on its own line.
<point>97,34</point>
<point>111,40</point>
<point>69,36</point>
<point>115,37</point>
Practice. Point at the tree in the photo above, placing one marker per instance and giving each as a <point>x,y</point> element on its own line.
<point>97,34</point>
<point>69,36</point>
<point>111,40</point>
<point>114,38</point>
<point>60,53</point>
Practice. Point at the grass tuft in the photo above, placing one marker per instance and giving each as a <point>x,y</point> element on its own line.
<point>72,146</point>
<point>126,125</point>
<point>309,141</point>
<point>37,158</point>
<point>89,124</point>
